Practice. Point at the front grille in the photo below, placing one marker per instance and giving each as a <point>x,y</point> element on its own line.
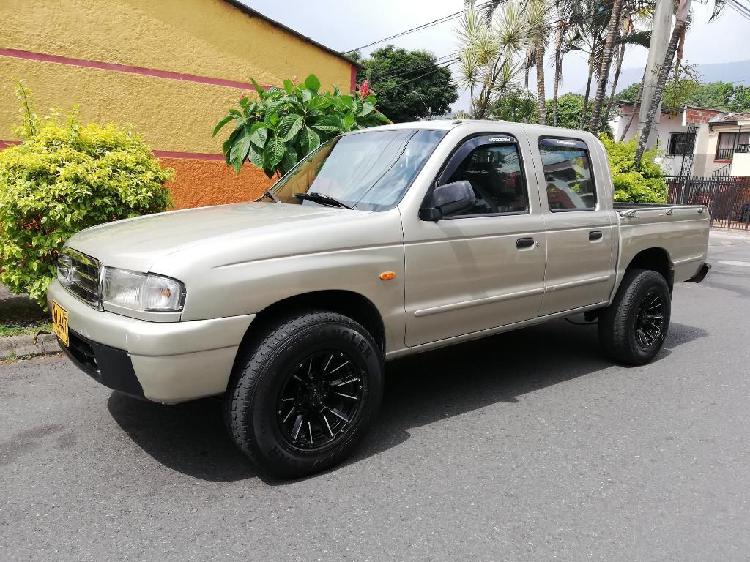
<point>79,274</point>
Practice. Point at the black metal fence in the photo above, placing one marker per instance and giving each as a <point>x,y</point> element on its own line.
<point>727,198</point>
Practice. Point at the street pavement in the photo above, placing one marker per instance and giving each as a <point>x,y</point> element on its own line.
<point>525,446</point>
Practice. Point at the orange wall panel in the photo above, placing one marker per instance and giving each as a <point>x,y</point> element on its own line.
<point>198,182</point>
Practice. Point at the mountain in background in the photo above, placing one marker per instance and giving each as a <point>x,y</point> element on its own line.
<point>737,72</point>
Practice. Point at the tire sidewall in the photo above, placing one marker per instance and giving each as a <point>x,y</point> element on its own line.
<point>644,283</point>
<point>271,447</point>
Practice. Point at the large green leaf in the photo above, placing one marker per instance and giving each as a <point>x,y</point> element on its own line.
<point>258,135</point>
<point>347,122</point>
<point>288,86</point>
<point>309,140</point>
<point>289,161</point>
<point>367,108</point>
<point>312,83</point>
<point>239,152</point>
<point>274,152</point>
<point>220,125</point>
<point>255,156</point>
<point>289,126</point>
<point>329,123</point>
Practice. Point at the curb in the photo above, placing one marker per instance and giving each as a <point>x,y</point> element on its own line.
<point>28,346</point>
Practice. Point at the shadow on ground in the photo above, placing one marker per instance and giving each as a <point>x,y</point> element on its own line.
<point>420,389</point>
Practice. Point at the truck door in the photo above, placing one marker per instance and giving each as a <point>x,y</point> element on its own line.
<point>580,228</point>
<point>483,267</point>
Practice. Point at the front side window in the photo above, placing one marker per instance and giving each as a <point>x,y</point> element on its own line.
<point>369,171</point>
<point>567,174</point>
<point>495,173</point>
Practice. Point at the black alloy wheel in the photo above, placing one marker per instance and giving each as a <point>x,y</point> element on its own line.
<point>649,321</point>
<point>320,399</point>
<point>303,393</point>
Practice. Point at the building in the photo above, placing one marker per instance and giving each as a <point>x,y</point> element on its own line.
<point>169,68</point>
<point>697,141</point>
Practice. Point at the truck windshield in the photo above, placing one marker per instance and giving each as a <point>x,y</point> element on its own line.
<point>369,170</point>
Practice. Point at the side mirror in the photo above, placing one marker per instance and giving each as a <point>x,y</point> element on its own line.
<point>447,199</point>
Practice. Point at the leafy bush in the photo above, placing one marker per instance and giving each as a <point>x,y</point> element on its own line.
<point>646,185</point>
<point>278,129</point>
<point>63,177</point>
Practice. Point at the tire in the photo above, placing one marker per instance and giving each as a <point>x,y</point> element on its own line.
<point>633,328</point>
<point>328,371</point>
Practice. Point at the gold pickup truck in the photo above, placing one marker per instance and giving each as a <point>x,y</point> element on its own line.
<point>384,242</point>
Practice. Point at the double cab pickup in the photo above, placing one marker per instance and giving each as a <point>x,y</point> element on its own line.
<point>380,243</point>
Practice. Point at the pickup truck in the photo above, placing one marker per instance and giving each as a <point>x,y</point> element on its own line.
<point>380,243</point>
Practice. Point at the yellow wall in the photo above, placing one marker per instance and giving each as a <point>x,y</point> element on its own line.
<point>201,39</point>
<point>204,37</point>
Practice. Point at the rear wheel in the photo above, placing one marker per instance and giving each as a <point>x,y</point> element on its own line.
<point>302,397</point>
<point>633,328</point>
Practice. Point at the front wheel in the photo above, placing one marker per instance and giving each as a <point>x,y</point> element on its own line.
<point>303,396</point>
<point>633,328</point>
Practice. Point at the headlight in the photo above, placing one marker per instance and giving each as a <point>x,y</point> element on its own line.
<point>146,292</point>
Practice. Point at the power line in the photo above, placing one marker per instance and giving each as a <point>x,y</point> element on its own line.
<point>417,28</point>
<point>741,9</point>
<point>403,72</point>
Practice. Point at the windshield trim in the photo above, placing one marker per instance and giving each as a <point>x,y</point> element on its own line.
<point>275,187</point>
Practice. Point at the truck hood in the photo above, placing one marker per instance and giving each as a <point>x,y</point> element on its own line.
<point>147,243</point>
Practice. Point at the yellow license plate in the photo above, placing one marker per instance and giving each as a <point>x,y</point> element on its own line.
<point>60,323</point>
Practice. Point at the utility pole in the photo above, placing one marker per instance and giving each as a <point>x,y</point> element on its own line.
<point>661,30</point>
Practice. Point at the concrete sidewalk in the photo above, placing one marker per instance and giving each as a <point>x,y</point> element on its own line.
<point>20,310</point>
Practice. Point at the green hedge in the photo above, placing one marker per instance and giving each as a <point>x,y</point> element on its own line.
<point>63,177</point>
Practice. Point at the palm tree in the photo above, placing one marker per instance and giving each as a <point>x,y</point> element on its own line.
<point>489,54</point>
<point>538,30</point>
<point>682,20</point>
<point>613,33</point>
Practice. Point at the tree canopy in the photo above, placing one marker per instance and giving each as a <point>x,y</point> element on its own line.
<point>688,91</point>
<point>410,85</point>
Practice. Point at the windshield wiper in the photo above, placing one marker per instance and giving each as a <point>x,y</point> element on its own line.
<point>321,199</point>
<point>268,193</point>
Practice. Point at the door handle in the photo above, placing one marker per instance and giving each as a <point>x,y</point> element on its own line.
<point>524,243</point>
<point>595,235</point>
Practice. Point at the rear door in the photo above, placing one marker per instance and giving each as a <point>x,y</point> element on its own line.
<point>483,267</point>
<point>581,229</point>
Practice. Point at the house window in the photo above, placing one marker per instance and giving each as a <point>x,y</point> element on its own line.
<point>681,143</point>
<point>729,143</point>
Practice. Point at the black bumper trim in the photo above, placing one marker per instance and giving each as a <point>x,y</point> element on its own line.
<point>701,275</point>
<point>107,365</point>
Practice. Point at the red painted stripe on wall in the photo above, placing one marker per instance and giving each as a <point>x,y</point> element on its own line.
<point>116,67</point>
<point>188,155</point>
<point>157,153</point>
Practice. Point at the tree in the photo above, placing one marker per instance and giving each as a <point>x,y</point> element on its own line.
<point>682,21</point>
<point>569,108</point>
<point>517,105</point>
<point>278,128</point>
<point>613,32</point>
<point>410,85</point>
<point>490,53</point>
<point>538,30</point>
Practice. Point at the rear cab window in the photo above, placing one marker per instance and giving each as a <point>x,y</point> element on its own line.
<point>568,174</point>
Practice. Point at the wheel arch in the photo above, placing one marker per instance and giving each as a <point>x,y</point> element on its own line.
<point>349,303</point>
<point>654,259</point>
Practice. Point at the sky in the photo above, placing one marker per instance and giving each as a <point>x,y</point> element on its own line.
<point>347,24</point>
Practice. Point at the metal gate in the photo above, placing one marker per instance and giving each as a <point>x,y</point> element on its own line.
<point>727,198</point>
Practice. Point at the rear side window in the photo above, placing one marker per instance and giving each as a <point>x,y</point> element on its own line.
<point>496,174</point>
<point>567,174</point>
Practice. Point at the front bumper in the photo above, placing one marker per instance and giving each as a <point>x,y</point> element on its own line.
<point>169,361</point>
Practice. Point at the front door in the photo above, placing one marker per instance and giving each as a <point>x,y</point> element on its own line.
<point>483,267</point>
